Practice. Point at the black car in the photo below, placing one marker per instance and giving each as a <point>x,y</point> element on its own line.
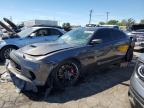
<point>60,62</point>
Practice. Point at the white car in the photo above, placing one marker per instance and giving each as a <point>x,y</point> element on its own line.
<point>27,36</point>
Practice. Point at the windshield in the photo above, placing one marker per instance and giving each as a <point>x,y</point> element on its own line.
<point>26,32</point>
<point>77,36</point>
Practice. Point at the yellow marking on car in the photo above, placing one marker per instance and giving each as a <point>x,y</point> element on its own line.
<point>123,48</point>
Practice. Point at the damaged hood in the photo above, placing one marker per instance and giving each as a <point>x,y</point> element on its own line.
<point>5,27</point>
<point>40,49</point>
<point>14,27</point>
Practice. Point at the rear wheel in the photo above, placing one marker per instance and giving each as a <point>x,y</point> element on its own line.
<point>66,74</point>
<point>129,54</point>
<point>5,52</point>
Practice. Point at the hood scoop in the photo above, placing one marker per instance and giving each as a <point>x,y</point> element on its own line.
<point>33,46</point>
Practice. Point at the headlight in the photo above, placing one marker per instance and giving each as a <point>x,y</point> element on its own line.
<point>2,42</point>
<point>33,58</point>
<point>140,70</point>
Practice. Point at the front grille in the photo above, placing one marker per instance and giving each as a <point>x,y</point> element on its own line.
<point>15,65</point>
<point>138,97</point>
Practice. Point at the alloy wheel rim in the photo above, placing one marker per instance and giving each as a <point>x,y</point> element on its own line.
<point>7,52</point>
<point>67,74</point>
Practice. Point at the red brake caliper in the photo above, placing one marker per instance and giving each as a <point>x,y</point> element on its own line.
<point>72,71</point>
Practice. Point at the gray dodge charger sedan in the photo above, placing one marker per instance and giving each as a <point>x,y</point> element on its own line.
<point>61,62</point>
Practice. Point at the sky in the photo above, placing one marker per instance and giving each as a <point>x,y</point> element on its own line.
<point>74,11</point>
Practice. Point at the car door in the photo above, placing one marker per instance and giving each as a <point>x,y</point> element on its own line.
<point>53,34</point>
<point>103,52</point>
<point>120,43</point>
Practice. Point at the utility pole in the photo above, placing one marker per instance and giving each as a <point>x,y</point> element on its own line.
<point>91,11</point>
<point>107,15</point>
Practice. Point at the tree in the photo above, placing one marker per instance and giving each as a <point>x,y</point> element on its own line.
<point>113,22</point>
<point>102,23</point>
<point>123,23</point>
<point>66,26</point>
<point>142,21</point>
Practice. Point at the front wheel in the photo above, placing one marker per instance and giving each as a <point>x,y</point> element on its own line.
<point>5,52</point>
<point>66,74</point>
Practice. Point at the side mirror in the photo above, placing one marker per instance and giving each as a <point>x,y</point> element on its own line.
<point>96,41</point>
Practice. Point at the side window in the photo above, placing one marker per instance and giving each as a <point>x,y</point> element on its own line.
<point>116,34</point>
<point>41,32</point>
<point>55,32</point>
<point>103,34</point>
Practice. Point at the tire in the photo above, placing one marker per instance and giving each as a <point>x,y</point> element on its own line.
<point>66,74</point>
<point>4,54</point>
<point>129,54</point>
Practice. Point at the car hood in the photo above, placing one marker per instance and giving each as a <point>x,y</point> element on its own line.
<point>14,27</point>
<point>5,27</point>
<point>40,49</point>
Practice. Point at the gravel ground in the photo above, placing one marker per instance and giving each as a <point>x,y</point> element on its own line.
<point>100,89</point>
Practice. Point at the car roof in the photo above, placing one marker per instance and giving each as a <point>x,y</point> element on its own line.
<point>97,28</point>
<point>107,25</point>
<point>43,27</point>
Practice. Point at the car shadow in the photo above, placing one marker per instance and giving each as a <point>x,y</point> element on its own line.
<point>95,81</point>
<point>2,63</point>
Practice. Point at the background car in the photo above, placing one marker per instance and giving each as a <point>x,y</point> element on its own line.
<point>137,34</point>
<point>109,26</point>
<point>27,36</point>
<point>62,60</point>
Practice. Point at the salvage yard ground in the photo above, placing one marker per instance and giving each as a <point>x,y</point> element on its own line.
<point>100,89</point>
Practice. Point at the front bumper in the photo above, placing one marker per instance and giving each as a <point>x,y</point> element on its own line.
<point>136,92</point>
<point>32,72</point>
<point>135,99</point>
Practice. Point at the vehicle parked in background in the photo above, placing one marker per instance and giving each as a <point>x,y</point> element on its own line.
<point>136,90</point>
<point>109,26</point>
<point>91,25</point>
<point>138,35</point>
<point>27,36</point>
<point>31,23</point>
<point>60,61</point>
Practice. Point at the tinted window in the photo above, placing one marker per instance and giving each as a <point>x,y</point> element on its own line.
<point>103,34</point>
<point>116,34</point>
<point>55,32</point>
<point>41,32</point>
<point>46,32</point>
